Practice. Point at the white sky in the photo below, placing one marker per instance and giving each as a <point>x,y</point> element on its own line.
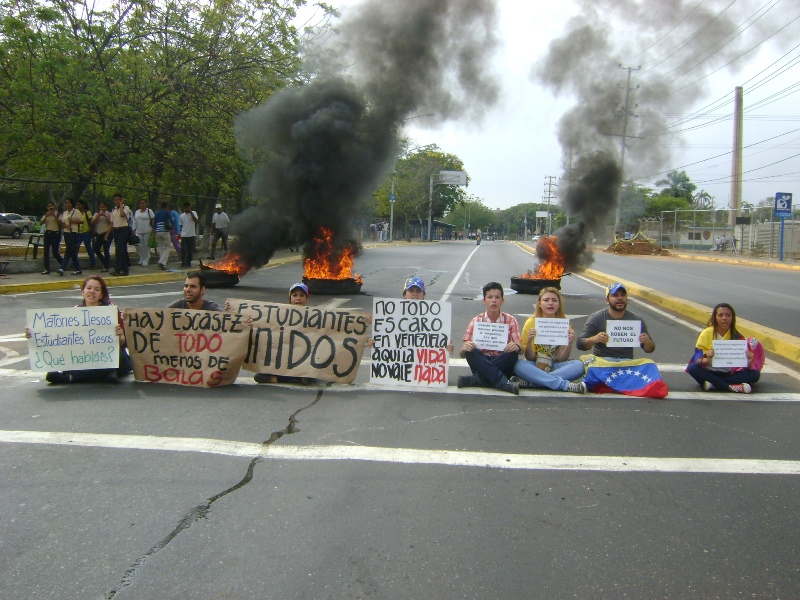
<point>511,152</point>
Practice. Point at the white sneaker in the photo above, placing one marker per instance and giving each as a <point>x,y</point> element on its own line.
<point>577,387</point>
<point>707,386</point>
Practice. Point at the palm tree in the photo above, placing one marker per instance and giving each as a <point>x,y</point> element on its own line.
<point>678,185</point>
<point>703,200</point>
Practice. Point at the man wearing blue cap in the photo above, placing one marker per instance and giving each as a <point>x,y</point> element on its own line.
<point>594,334</point>
<point>414,289</point>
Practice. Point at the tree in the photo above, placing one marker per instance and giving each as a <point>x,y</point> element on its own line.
<point>679,185</point>
<point>657,204</point>
<point>703,200</point>
<point>470,214</point>
<point>141,93</point>
<point>412,176</point>
<point>634,200</point>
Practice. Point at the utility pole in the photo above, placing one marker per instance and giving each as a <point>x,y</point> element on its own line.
<point>569,174</point>
<point>736,163</point>
<point>550,194</point>
<point>625,113</point>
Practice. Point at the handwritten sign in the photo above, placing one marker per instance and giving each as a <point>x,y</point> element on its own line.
<point>490,336</point>
<point>302,341</point>
<point>73,339</point>
<point>411,337</point>
<point>187,347</point>
<point>623,333</point>
<point>729,353</point>
<point>552,332</point>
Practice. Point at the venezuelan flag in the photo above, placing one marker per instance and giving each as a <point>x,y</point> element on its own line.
<point>638,377</point>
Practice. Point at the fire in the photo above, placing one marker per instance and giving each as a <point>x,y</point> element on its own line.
<point>551,263</point>
<point>231,263</point>
<point>323,262</point>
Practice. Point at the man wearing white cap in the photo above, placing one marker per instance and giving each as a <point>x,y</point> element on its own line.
<point>594,335</point>
<point>219,230</point>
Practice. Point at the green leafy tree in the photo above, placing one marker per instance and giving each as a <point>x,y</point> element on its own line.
<point>634,199</point>
<point>657,204</point>
<point>678,185</point>
<point>470,215</point>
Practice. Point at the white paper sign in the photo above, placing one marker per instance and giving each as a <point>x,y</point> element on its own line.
<point>490,336</point>
<point>729,353</point>
<point>73,339</point>
<point>623,334</point>
<point>411,338</point>
<point>552,332</point>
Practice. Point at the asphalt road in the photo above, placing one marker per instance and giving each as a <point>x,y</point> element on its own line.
<point>266,491</point>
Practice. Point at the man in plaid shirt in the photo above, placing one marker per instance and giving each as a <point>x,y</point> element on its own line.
<point>492,368</point>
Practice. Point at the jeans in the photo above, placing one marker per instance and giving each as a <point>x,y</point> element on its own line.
<point>85,240</point>
<point>52,244</point>
<point>101,249</point>
<point>557,379</point>
<point>219,234</point>
<point>491,371</point>
<point>121,261</point>
<point>187,251</point>
<point>719,379</point>
<point>72,243</point>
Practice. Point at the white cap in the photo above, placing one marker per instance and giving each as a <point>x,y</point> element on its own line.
<point>218,206</point>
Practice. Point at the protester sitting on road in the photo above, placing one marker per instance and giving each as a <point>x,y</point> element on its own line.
<point>613,369</point>
<point>51,226</point>
<point>722,326</point>
<point>546,366</point>
<point>95,293</point>
<point>298,296</point>
<point>492,368</point>
<point>194,290</point>
<point>594,336</point>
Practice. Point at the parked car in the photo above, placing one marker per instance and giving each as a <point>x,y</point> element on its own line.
<point>25,224</point>
<point>535,239</point>
<point>37,227</point>
<point>8,227</point>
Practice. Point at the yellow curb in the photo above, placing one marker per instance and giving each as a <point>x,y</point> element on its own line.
<point>68,283</point>
<point>769,264</point>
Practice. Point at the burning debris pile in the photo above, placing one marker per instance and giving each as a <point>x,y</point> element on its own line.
<point>547,274</point>
<point>324,147</point>
<point>330,271</point>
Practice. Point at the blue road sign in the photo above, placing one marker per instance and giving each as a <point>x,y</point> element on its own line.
<point>783,205</point>
<point>392,197</point>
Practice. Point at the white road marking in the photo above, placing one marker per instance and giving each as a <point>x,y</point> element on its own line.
<point>14,337</point>
<point>497,460</point>
<point>333,303</point>
<point>453,283</point>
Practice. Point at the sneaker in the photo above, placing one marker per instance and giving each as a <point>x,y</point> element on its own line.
<point>265,378</point>
<point>58,377</point>
<point>162,267</point>
<point>464,381</point>
<point>77,273</point>
<point>577,387</point>
<point>522,383</point>
<point>511,387</point>
<point>45,272</point>
<point>707,387</point>
<point>61,272</point>
<point>740,388</point>
<point>104,270</point>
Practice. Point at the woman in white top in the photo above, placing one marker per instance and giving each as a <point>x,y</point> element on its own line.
<point>70,220</point>
<point>143,227</point>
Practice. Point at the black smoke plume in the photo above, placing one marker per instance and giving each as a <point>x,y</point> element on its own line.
<point>584,62</point>
<point>324,147</point>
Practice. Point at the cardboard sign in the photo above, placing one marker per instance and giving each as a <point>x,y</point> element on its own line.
<point>411,338</point>
<point>729,353</point>
<point>189,347</point>
<point>623,334</point>
<point>73,339</point>
<point>302,341</point>
<point>552,332</point>
<point>490,336</point>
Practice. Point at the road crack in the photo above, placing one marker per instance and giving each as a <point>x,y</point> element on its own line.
<point>202,510</point>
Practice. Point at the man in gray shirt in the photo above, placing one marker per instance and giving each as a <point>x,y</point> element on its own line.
<point>194,289</point>
<point>594,334</point>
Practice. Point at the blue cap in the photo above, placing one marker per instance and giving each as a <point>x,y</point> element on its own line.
<point>414,282</point>
<point>301,286</point>
<point>615,287</point>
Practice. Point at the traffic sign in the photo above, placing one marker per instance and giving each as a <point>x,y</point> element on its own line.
<point>392,197</point>
<point>783,205</point>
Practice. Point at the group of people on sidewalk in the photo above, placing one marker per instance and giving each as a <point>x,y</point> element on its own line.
<point>525,364</point>
<point>162,230</point>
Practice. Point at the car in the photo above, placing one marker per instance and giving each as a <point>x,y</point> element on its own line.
<point>8,227</point>
<point>25,224</point>
<point>37,227</point>
<point>535,239</point>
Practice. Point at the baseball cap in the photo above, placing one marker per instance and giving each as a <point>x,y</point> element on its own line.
<point>414,282</point>
<point>615,287</point>
<point>301,286</point>
<point>218,206</point>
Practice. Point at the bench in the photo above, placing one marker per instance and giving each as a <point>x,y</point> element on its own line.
<point>35,240</point>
